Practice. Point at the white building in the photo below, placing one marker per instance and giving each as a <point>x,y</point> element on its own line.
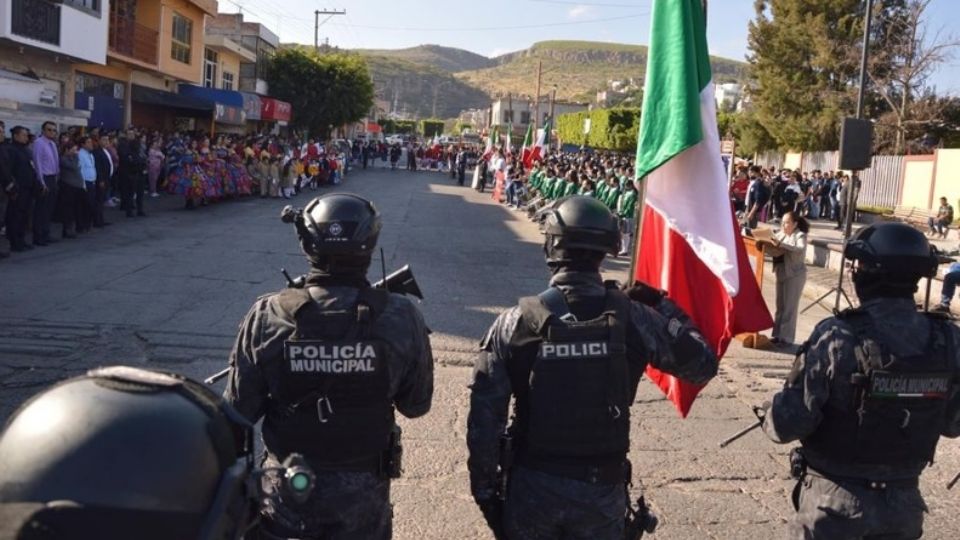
<point>520,111</point>
<point>727,95</point>
<point>40,40</point>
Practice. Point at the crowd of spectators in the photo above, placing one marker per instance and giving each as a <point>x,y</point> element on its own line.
<point>606,176</point>
<point>762,195</point>
<point>67,179</point>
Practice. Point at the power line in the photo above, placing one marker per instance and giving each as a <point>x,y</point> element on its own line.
<point>585,4</point>
<point>494,28</point>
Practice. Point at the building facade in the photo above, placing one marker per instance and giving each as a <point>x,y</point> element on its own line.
<point>152,47</point>
<point>40,40</point>
<point>520,112</point>
<point>255,38</point>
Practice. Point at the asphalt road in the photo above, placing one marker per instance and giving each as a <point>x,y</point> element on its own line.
<point>168,291</point>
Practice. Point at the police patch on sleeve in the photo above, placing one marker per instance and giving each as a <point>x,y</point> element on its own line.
<point>330,357</point>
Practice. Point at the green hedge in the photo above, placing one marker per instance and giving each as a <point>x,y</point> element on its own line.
<point>610,129</point>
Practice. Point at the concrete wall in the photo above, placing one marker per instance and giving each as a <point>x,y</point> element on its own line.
<point>45,64</point>
<point>793,160</point>
<point>229,62</point>
<point>83,34</point>
<point>946,176</point>
<point>192,72</point>
<point>917,181</point>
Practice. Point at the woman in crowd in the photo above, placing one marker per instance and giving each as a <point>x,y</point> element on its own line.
<point>788,249</point>
<point>71,194</point>
<point>155,161</point>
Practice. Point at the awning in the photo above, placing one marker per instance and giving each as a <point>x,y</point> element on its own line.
<point>274,109</point>
<point>227,104</point>
<point>152,96</point>
<point>252,105</point>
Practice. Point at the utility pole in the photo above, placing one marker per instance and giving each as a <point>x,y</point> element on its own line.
<point>553,99</point>
<point>536,106</point>
<point>316,23</point>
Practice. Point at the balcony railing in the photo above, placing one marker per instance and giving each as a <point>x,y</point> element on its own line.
<point>36,19</point>
<point>132,39</point>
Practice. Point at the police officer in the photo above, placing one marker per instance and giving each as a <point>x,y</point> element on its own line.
<point>870,394</point>
<point>325,366</point>
<point>123,453</point>
<point>572,358</point>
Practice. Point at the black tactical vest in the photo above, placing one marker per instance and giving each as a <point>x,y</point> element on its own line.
<point>572,384</point>
<point>332,401</point>
<point>899,403</point>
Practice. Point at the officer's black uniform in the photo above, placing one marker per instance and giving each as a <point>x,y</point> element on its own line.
<point>324,366</point>
<point>871,392</point>
<point>572,358</point>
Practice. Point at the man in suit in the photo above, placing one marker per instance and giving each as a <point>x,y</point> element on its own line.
<point>24,184</point>
<point>105,171</point>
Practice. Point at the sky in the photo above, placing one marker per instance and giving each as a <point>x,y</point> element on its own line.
<point>493,27</point>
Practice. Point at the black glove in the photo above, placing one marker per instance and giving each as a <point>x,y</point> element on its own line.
<point>645,294</point>
<point>492,510</point>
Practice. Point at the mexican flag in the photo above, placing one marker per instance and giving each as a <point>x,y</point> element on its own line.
<point>509,143</point>
<point>527,142</point>
<point>532,154</point>
<point>492,141</point>
<point>689,244</point>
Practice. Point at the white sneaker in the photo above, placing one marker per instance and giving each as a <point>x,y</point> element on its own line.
<point>154,195</point>
<point>109,203</point>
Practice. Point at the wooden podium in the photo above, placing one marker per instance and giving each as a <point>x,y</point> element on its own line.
<point>754,340</point>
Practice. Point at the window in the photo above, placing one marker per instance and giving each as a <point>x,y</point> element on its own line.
<point>182,38</point>
<point>227,81</point>
<point>210,62</point>
<point>508,116</point>
<point>89,5</point>
<point>524,117</point>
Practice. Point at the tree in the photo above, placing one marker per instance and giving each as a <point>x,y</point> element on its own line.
<point>900,66</point>
<point>325,90</point>
<point>804,65</point>
<point>431,127</point>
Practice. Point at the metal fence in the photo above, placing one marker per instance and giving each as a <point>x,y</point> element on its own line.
<point>881,182</point>
<point>819,161</point>
<point>770,158</point>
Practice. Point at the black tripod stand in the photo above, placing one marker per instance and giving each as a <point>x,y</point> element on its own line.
<point>850,194</point>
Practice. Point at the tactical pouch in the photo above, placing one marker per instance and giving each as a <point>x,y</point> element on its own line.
<point>392,463</point>
<point>798,464</point>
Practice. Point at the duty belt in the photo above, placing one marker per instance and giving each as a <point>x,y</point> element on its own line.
<point>611,472</point>
<point>903,483</point>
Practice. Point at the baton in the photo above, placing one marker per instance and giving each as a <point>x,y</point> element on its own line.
<point>216,376</point>
<point>741,433</point>
<point>954,481</point>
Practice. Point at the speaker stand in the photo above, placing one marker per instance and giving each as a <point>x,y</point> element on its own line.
<point>850,193</point>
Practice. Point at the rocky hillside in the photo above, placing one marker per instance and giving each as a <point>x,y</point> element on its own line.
<point>421,90</point>
<point>437,56</point>
<point>577,68</point>
<point>431,80</point>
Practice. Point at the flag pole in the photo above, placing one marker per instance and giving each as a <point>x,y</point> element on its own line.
<point>642,198</point>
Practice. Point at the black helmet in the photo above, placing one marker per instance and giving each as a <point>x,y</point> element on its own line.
<point>895,250</point>
<point>578,225</point>
<point>336,225</point>
<point>125,453</point>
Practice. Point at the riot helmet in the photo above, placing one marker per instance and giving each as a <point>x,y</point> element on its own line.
<point>890,259</point>
<point>125,453</point>
<point>579,231</point>
<point>337,232</point>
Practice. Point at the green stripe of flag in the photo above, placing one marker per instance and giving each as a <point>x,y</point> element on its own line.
<point>678,69</point>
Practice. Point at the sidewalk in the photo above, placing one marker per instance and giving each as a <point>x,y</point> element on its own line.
<point>824,249</point>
